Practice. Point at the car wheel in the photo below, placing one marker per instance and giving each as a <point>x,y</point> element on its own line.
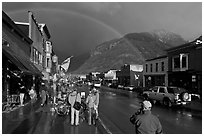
<point>167,102</point>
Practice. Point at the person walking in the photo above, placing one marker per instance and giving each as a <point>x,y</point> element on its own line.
<point>90,102</point>
<point>43,94</point>
<point>32,94</point>
<point>96,102</point>
<point>22,94</point>
<point>145,122</point>
<point>74,96</point>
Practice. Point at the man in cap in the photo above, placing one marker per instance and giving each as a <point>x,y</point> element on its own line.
<point>147,123</point>
<point>90,104</point>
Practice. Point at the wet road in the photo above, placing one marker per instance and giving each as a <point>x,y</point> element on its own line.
<point>114,111</point>
<point>116,108</point>
<point>40,120</point>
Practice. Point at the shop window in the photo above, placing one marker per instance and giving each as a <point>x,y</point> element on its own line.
<point>162,66</point>
<point>36,57</point>
<point>40,58</point>
<point>180,62</point>
<point>33,55</point>
<point>156,67</point>
<point>47,62</point>
<point>176,62</point>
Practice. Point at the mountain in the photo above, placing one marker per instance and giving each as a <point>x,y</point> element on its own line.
<point>133,48</point>
<point>168,37</point>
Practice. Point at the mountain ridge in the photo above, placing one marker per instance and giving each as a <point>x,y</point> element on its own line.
<point>132,48</point>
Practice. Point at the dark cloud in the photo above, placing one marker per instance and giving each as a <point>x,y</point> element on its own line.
<point>78,27</point>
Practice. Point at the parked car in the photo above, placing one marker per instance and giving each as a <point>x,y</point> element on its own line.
<point>130,88</point>
<point>97,84</point>
<point>168,96</point>
<point>120,87</point>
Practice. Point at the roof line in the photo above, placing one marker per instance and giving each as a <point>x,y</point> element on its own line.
<point>21,23</point>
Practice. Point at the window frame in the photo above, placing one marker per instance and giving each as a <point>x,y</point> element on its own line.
<point>162,66</point>
<point>156,67</point>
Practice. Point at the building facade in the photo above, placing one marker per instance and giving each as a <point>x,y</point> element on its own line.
<point>41,48</point>
<point>130,75</point>
<point>155,71</point>
<point>37,55</point>
<point>185,66</point>
<point>47,51</point>
<point>17,68</point>
<point>110,77</point>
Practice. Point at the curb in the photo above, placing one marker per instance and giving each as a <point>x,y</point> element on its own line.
<point>101,125</point>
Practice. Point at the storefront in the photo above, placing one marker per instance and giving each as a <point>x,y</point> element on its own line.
<point>17,71</point>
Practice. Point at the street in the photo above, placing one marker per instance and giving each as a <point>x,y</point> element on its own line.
<point>40,120</point>
<point>91,67</point>
<point>115,110</point>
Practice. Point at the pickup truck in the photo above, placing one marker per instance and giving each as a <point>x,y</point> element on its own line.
<point>168,96</point>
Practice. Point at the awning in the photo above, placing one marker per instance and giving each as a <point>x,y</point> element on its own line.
<point>21,62</point>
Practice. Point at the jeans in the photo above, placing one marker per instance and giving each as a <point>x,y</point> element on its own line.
<point>21,98</point>
<point>91,111</point>
<point>96,110</point>
<point>74,112</point>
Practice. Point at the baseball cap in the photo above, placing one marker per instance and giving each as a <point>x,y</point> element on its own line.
<point>147,105</point>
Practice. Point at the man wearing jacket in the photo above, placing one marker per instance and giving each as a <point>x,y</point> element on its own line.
<point>147,123</point>
<point>90,100</point>
<point>96,102</point>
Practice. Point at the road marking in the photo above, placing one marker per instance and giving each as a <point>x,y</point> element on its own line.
<point>107,130</point>
<point>134,106</point>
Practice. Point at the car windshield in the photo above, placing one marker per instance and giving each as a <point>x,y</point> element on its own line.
<point>175,90</point>
<point>154,89</point>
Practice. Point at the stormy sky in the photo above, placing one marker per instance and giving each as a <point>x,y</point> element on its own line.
<point>77,27</point>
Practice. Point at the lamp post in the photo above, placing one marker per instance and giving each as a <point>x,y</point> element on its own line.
<point>55,60</point>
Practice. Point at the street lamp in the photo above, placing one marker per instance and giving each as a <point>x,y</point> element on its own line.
<point>54,59</point>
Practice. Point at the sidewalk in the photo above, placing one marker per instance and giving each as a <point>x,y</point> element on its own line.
<point>11,119</point>
<point>14,121</point>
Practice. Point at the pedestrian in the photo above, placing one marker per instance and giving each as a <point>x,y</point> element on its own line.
<point>22,94</point>
<point>96,102</point>
<point>32,94</point>
<point>90,103</point>
<point>74,96</point>
<point>145,122</point>
<point>54,92</point>
<point>43,94</point>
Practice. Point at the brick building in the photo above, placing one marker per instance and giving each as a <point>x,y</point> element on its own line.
<point>185,65</point>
